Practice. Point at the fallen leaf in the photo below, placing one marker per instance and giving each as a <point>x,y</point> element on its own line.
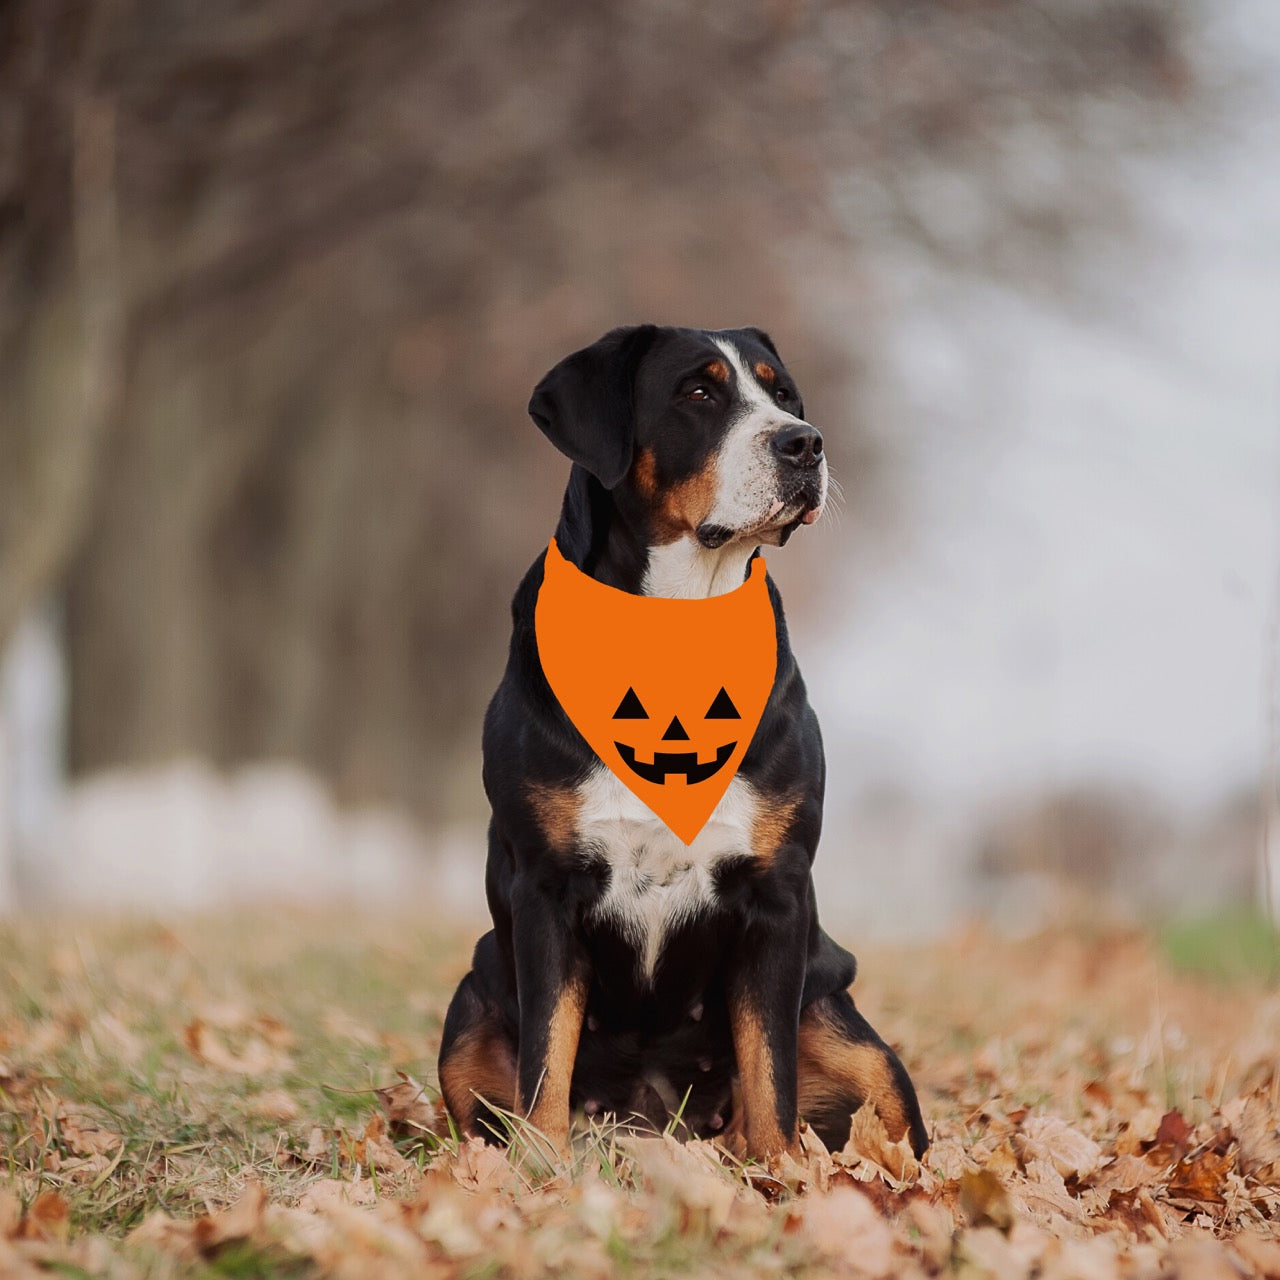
<point>1173,1131</point>
<point>1201,1259</point>
<point>325,1193</point>
<point>1045,1191</point>
<point>49,1218</point>
<point>1127,1173</point>
<point>1139,1132</point>
<point>1254,1125</point>
<point>847,1231</point>
<point>239,1222</point>
<point>1260,1255</point>
<point>10,1214</point>
<point>1068,1150</point>
<point>689,1174</point>
<point>257,1058</point>
<point>1200,1179</point>
<point>984,1200</point>
<point>83,1135</point>
<point>869,1140</point>
<point>273,1104</point>
<point>480,1167</point>
<point>407,1107</point>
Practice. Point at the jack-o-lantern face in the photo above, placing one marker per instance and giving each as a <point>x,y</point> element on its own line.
<point>683,764</point>
<point>667,693</point>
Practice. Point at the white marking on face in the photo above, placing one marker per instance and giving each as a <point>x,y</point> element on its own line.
<point>746,465</point>
<point>747,499</point>
<point>656,881</point>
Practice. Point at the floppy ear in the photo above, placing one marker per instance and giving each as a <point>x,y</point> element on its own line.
<point>763,339</point>
<point>584,405</point>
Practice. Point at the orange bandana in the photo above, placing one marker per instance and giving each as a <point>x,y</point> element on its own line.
<point>668,693</point>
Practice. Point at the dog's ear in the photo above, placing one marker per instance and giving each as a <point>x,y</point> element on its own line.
<point>763,339</point>
<point>584,405</point>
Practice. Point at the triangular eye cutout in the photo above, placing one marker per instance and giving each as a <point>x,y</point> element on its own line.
<point>722,708</point>
<point>630,709</point>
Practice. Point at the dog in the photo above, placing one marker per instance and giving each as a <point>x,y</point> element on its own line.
<point>627,972</point>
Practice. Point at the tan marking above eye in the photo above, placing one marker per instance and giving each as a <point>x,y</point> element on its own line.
<point>718,370</point>
<point>766,372</point>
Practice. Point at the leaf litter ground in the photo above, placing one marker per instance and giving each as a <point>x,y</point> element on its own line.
<point>254,1095</point>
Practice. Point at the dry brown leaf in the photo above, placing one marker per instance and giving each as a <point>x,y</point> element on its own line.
<point>1045,1193</point>
<point>256,1058</point>
<point>1094,1259</point>
<point>81,1133</point>
<point>846,1230</point>
<point>1068,1150</point>
<point>49,1218</point>
<point>1139,1131</point>
<point>934,1228</point>
<point>869,1140</point>
<point>1260,1255</point>
<point>1173,1132</point>
<point>949,1159</point>
<point>372,1148</point>
<point>273,1104</point>
<point>1127,1173</point>
<point>480,1167</point>
<point>163,1234</point>
<point>984,1200</point>
<point>1254,1124</point>
<point>325,1194</point>
<point>1003,1161</point>
<point>1200,1178</point>
<point>987,1251</point>
<point>407,1107</point>
<point>240,1222</point>
<point>319,1146</point>
<point>690,1174</point>
<point>10,1214</point>
<point>1201,1259</point>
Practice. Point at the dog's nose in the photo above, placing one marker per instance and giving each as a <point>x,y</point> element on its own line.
<point>799,445</point>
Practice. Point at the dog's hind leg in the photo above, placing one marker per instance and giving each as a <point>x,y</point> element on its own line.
<point>844,1064</point>
<point>477,1064</point>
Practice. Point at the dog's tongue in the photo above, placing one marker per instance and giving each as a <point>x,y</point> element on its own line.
<point>811,515</point>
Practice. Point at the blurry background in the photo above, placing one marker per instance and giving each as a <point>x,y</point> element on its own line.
<point>275,283</point>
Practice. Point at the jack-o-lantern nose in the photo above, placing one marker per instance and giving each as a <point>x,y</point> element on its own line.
<point>675,731</point>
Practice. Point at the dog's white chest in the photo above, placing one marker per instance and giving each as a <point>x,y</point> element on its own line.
<point>656,881</point>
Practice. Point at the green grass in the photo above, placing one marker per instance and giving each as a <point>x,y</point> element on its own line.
<point>95,1019</point>
<point>1229,947</point>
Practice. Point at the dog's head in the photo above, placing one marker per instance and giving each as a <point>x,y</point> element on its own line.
<point>698,435</point>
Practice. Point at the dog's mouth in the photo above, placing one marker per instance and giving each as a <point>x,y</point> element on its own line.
<point>780,522</point>
<point>678,764</point>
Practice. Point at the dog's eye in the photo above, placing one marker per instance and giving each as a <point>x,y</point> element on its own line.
<point>698,393</point>
<point>782,395</point>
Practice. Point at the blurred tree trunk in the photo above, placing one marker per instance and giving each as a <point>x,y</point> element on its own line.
<point>61,283</point>
<point>276,281</point>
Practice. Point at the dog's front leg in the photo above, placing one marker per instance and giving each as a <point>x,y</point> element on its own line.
<point>551,980</point>
<point>766,982</point>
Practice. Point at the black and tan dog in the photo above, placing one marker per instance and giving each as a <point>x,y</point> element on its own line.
<point>628,972</point>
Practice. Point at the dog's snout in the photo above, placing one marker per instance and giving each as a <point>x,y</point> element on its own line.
<point>799,445</point>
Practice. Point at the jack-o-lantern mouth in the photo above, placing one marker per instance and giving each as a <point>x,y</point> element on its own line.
<point>683,764</point>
